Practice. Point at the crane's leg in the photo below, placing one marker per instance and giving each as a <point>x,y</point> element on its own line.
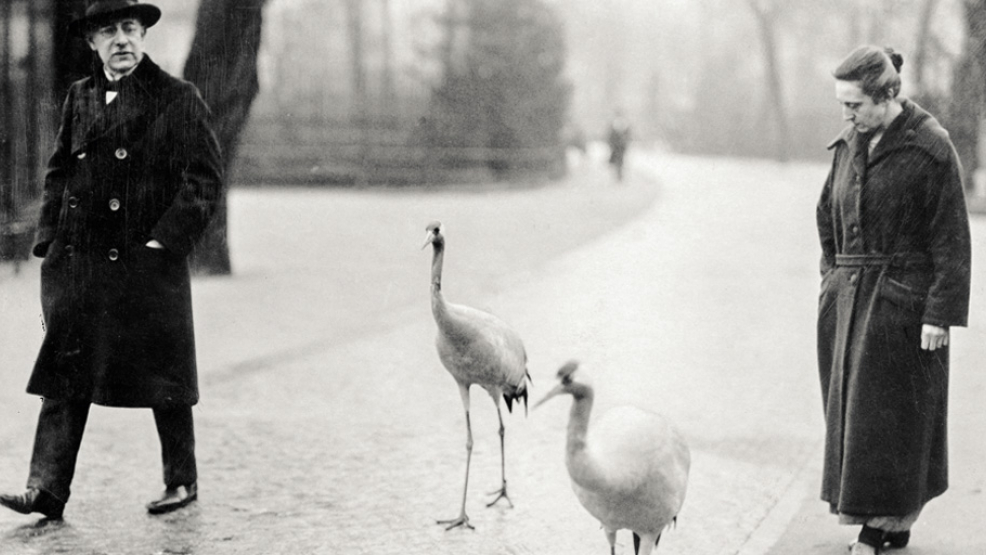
<point>647,543</point>
<point>502,492</point>
<point>463,519</point>
<point>611,538</point>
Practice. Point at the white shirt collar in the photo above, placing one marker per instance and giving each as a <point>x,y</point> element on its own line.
<point>111,95</point>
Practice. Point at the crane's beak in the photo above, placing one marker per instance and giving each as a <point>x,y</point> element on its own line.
<point>558,390</point>
<point>428,239</point>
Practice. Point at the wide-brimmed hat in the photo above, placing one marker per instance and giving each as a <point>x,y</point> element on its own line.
<point>103,11</point>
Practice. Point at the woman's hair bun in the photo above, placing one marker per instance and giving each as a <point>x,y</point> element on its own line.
<point>895,58</point>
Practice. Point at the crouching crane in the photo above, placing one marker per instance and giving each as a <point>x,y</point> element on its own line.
<point>476,348</point>
<point>629,471</point>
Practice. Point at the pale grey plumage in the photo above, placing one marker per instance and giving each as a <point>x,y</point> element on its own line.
<point>630,470</point>
<point>478,348</point>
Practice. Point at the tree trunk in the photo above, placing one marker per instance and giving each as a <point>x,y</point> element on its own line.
<point>33,131</point>
<point>72,56</point>
<point>390,103</point>
<point>976,16</point>
<point>766,18</point>
<point>7,112</point>
<point>222,63</point>
<point>354,19</point>
<point>921,48</point>
<point>969,95</point>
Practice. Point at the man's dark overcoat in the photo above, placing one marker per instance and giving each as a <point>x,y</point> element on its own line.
<point>118,314</point>
<point>895,255</point>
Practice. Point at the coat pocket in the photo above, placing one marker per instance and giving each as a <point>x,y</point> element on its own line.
<point>908,297</point>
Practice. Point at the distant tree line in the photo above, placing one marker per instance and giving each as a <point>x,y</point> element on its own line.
<point>502,97</point>
<point>753,77</point>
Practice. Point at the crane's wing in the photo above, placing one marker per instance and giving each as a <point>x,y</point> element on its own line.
<point>478,347</point>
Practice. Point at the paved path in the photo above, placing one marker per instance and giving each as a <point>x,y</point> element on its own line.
<point>328,425</point>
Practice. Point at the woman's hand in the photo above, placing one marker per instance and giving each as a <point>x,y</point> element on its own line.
<point>933,337</point>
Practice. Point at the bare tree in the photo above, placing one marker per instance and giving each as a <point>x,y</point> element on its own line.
<point>390,106</point>
<point>223,64</point>
<point>767,16</point>
<point>923,44</point>
<point>354,19</point>
<point>976,17</point>
<point>969,94</point>
<point>7,111</point>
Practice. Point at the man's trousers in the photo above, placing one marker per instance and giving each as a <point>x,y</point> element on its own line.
<point>59,435</point>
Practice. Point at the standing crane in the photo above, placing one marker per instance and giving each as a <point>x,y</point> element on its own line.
<point>478,348</point>
<point>630,472</point>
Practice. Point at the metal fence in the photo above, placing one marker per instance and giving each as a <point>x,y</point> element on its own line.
<point>324,151</point>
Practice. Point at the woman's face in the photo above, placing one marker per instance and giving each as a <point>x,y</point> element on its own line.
<point>858,107</point>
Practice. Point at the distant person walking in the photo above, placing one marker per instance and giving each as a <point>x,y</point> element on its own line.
<point>895,278</point>
<point>619,140</point>
<point>130,188</point>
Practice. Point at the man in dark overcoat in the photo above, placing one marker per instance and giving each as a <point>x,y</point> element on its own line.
<point>896,266</point>
<point>133,181</point>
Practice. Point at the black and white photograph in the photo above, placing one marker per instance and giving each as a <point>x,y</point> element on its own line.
<point>492,277</point>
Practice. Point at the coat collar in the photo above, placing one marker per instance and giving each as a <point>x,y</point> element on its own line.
<point>913,128</point>
<point>91,117</point>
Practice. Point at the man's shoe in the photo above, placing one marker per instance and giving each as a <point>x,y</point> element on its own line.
<point>34,500</point>
<point>173,498</point>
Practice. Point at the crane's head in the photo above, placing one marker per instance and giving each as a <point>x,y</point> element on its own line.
<point>567,377</point>
<point>435,236</point>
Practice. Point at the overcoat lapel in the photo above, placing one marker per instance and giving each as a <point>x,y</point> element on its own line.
<point>857,147</point>
<point>95,119</point>
<point>88,116</point>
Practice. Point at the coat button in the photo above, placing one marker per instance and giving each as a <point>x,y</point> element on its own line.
<point>854,229</point>
<point>114,254</point>
<point>73,202</point>
<point>114,204</point>
<point>852,278</point>
<point>81,155</point>
<point>121,153</point>
<point>69,249</point>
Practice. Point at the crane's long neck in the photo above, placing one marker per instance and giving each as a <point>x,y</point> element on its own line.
<point>581,466</point>
<point>438,306</point>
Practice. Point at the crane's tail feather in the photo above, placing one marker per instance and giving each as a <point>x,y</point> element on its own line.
<point>517,394</point>
<point>511,397</point>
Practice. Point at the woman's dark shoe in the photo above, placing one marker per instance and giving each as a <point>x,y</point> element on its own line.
<point>34,500</point>
<point>173,498</point>
<point>870,540</point>
<point>897,540</point>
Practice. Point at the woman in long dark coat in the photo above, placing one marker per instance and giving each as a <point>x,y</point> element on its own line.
<point>895,264</point>
<point>130,188</point>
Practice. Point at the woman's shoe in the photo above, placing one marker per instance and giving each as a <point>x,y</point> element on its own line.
<point>860,548</point>
<point>897,540</point>
<point>869,542</point>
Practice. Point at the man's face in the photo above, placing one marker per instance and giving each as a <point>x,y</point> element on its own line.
<point>858,107</point>
<point>120,44</point>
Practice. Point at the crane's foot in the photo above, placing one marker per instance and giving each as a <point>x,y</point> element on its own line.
<point>500,494</point>
<point>463,521</point>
